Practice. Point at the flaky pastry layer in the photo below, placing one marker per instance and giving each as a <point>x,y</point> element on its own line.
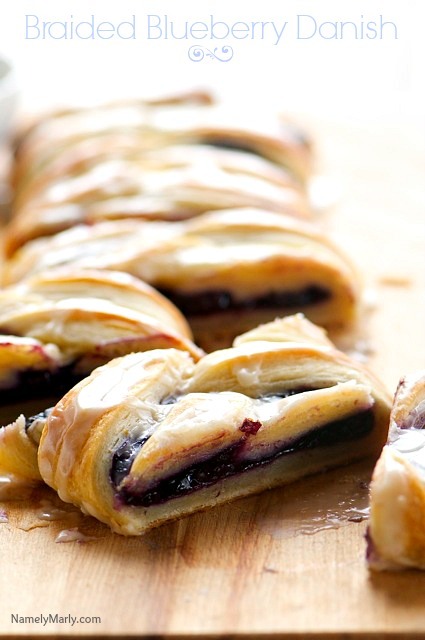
<point>153,160</point>
<point>251,264</point>
<point>60,325</point>
<point>396,534</point>
<point>154,436</point>
<point>90,313</point>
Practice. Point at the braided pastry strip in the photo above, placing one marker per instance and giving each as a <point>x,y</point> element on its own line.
<point>153,436</point>
<point>227,271</point>
<point>90,313</point>
<point>162,124</point>
<point>89,164</point>
<point>60,325</point>
<point>156,162</point>
<point>45,138</point>
<point>127,188</point>
<point>396,534</point>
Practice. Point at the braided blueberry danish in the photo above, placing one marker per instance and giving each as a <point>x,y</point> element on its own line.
<point>152,161</point>
<point>226,271</point>
<point>56,328</point>
<point>152,436</point>
<point>396,534</point>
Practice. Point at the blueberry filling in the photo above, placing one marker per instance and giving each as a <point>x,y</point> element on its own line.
<point>234,145</point>
<point>415,420</point>
<point>34,390</point>
<point>229,462</point>
<point>169,400</point>
<point>372,555</point>
<point>250,427</point>
<point>43,415</point>
<point>284,394</point>
<point>369,544</point>
<point>212,301</point>
<point>123,458</point>
<point>241,145</point>
<point>32,384</point>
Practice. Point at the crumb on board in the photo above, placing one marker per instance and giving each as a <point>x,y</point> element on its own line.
<point>395,280</point>
<point>73,535</point>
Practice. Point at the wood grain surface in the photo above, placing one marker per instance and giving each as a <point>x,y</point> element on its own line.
<point>246,569</point>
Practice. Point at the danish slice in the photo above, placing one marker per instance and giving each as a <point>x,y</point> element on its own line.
<point>20,355</point>
<point>86,155</point>
<point>396,534</point>
<point>63,324</point>
<point>182,183</point>
<point>152,436</point>
<point>59,325</point>
<point>18,448</point>
<point>54,132</point>
<point>161,124</point>
<point>153,161</point>
<point>88,311</point>
<point>226,271</point>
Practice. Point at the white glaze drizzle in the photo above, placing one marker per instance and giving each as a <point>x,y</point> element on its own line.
<point>103,392</point>
<point>73,535</point>
<point>106,389</point>
<point>409,440</point>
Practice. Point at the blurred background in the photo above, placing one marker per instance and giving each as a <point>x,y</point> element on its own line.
<point>362,99</point>
<point>372,79</point>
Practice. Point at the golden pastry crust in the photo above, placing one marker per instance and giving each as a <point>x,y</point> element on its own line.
<point>88,313</point>
<point>21,359</point>
<point>47,129</point>
<point>19,354</point>
<point>89,171</point>
<point>151,437</point>
<point>18,451</point>
<point>68,323</point>
<point>174,183</point>
<point>227,271</point>
<point>162,124</point>
<point>155,161</point>
<point>396,535</point>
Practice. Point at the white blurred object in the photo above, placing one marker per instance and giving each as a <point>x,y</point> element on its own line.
<point>324,192</point>
<point>8,97</point>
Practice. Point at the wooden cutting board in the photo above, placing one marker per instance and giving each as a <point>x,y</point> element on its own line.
<point>281,564</point>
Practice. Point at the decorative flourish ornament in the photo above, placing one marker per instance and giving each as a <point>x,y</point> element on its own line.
<point>197,53</point>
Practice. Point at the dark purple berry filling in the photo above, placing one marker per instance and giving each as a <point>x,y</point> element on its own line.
<point>229,461</point>
<point>127,451</point>
<point>169,400</point>
<point>123,458</point>
<point>233,145</point>
<point>369,544</point>
<point>415,421</point>
<point>43,415</point>
<point>372,555</point>
<point>250,427</point>
<point>240,144</point>
<point>213,301</point>
<point>34,390</point>
<point>33,383</point>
